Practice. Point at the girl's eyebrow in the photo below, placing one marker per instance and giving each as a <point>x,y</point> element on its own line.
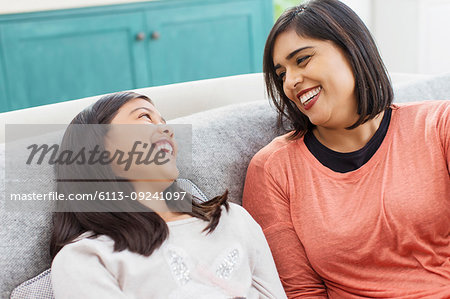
<point>145,108</point>
<point>149,110</point>
<point>292,55</point>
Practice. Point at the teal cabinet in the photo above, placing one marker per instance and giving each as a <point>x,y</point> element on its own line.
<point>4,105</point>
<point>55,56</point>
<point>57,60</point>
<point>192,45</point>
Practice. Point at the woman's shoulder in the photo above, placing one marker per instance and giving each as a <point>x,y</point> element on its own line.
<point>426,108</point>
<point>425,114</point>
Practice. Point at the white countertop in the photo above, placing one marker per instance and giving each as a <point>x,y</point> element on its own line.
<point>20,6</point>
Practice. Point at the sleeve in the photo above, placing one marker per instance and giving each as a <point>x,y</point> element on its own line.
<point>268,203</point>
<point>443,127</point>
<point>78,272</point>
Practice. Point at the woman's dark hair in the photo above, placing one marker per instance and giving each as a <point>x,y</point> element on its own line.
<point>142,231</point>
<point>330,20</point>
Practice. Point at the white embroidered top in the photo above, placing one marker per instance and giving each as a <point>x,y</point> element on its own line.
<point>234,261</point>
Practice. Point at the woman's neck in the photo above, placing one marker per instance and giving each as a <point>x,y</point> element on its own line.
<point>346,141</point>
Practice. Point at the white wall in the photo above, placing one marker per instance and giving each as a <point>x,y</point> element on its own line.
<point>434,42</point>
<point>413,36</point>
<point>363,8</point>
<point>19,6</point>
<point>395,30</point>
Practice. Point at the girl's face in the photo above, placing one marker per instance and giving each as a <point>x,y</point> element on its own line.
<point>318,78</point>
<point>139,131</point>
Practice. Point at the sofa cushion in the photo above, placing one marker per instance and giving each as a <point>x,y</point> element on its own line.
<point>435,88</point>
<point>39,287</point>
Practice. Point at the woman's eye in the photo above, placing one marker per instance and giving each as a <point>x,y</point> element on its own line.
<point>281,75</point>
<point>302,59</point>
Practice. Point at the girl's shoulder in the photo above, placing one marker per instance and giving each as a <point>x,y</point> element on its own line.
<point>87,244</point>
<point>236,210</point>
<point>238,217</point>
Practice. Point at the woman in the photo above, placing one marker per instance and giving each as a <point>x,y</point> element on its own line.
<point>355,200</point>
<point>155,247</point>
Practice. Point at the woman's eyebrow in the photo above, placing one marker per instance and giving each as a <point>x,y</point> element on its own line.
<point>296,51</point>
<point>290,55</point>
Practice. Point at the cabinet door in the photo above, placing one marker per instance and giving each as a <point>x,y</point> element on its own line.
<point>207,40</point>
<point>55,59</point>
<point>3,97</point>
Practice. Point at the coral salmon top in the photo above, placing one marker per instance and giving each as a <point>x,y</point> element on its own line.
<point>380,231</point>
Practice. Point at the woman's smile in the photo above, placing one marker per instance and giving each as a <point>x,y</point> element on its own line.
<point>308,97</point>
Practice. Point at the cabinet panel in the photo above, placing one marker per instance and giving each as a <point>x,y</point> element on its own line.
<point>205,41</point>
<point>3,94</point>
<point>61,59</point>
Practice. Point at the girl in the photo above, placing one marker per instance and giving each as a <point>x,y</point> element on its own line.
<point>147,249</point>
<point>355,200</point>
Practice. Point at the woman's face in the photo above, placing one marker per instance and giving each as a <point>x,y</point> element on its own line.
<point>139,131</point>
<point>318,78</point>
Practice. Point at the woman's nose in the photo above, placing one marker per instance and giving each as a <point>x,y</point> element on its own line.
<point>293,78</point>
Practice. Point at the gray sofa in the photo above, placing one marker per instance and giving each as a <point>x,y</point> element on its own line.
<point>224,140</point>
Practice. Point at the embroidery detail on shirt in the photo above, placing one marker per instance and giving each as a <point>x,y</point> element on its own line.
<point>179,268</point>
<point>228,265</point>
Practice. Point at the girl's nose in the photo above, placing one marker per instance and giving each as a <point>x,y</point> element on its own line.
<point>165,129</point>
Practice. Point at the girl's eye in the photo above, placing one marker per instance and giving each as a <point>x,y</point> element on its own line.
<point>145,115</point>
<point>302,59</point>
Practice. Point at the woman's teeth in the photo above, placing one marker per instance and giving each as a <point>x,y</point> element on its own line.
<point>304,98</point>
<point>165,146</point>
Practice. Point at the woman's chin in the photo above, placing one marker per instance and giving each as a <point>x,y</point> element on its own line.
<point>318,119</point>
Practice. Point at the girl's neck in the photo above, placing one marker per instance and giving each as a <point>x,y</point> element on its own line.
<point>151,193</point>
<point>346,141</point>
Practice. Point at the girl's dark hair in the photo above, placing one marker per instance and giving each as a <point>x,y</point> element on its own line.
<point>142,231</point>
<point>330,20</point>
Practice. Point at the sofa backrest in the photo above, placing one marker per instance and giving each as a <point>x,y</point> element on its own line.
<point>174,100</point>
